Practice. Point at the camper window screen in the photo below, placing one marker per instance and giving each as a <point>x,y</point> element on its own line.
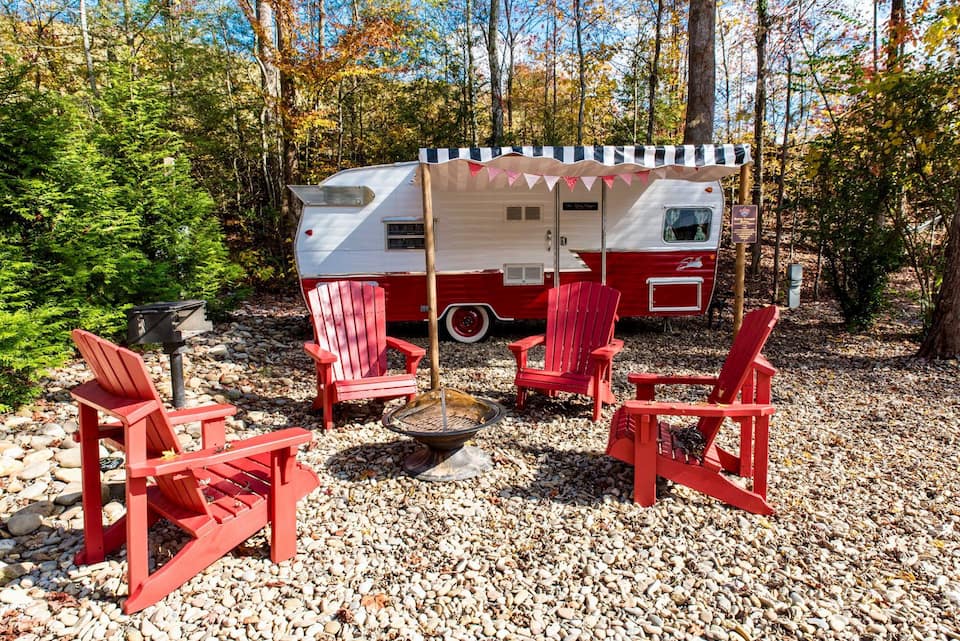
<point>405,235</point>
<point>685,224</point>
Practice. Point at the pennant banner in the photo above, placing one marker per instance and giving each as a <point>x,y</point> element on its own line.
<point>551,181</point>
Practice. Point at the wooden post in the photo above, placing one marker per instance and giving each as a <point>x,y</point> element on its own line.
<point>740,268</point>
<point>430,252</point>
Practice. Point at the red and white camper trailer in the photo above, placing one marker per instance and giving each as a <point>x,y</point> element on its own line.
<point>511,222</point>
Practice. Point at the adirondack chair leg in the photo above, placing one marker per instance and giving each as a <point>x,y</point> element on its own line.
<point>746,448</point>
<point>283,506</point>
<point>597,403</point>
<point>521,397</point>
<point>93,538</point>
<point>213,432</point>
<point>327,408</point>
<point>761,452</point>
<point>138,558</point>
<point>645,461</point>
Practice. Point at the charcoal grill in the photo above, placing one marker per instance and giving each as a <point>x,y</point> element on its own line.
<point>443,421</point>
<point>170,323</point>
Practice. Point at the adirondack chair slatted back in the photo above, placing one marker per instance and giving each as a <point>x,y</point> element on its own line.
<point>122,373</point>
<point>349,320</point>
<point>580,318</point>
<point>738,369</point>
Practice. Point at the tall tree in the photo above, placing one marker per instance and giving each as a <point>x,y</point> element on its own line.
<point>759,118</point>
<point>701,72</point>
<point>496,87</point>
<point>654,71</point>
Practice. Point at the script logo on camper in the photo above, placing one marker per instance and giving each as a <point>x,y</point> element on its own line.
<point>690,262</point>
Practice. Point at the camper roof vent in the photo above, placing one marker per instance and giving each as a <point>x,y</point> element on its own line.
<point>333,195</point>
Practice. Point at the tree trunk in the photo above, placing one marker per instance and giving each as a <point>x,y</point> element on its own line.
<point>496,88</point>
<point>270,85</point>
<point>471,73</point>
<point>654,72</point>
<point>87,55</point>
<point>780,183</point>
<point>701,72</point>
<point>943,337</point>
<point>759,115</point>
<point>897,34</point>
<point>581,68</point>
<point>289,111</point>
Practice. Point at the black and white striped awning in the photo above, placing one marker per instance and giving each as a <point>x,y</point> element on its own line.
<point>645,156</point>
<point>691,162</point>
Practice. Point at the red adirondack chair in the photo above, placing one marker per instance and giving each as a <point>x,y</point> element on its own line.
<point>220,495</point>
<point>691,456</point>
<point>579,345</point>
<point>350,347</point>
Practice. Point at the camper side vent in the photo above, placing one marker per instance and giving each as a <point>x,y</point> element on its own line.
<point>523,274</point>
<point>519,212</point>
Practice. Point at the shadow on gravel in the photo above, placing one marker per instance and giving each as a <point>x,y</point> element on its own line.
<point>377,461</point>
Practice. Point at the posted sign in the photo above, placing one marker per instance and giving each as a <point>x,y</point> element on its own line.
<point>743,223</point>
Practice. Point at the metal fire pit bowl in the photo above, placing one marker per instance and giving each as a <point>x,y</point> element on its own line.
<point>443,421</point>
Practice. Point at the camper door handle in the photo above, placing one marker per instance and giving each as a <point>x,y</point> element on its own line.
<point>548,237</point>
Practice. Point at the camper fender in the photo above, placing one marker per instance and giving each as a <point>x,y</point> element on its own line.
<point>468,322</point>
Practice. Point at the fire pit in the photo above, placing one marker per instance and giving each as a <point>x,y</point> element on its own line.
<point>443,421</point>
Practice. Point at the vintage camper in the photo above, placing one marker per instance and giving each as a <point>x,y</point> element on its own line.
<point>511,222</point>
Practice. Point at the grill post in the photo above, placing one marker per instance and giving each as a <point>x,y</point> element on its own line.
<point>176,350</point>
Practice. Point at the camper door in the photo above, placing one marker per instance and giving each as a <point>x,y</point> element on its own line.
<point>578,226</point>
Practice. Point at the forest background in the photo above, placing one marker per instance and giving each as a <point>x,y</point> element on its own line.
<point>145,145</point>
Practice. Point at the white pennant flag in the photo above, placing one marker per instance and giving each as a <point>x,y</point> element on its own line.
<point>551,181</point>
<point>588,181</point>
<point>531,179</point>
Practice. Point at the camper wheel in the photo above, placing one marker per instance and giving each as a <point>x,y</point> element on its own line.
<point>467,323</point>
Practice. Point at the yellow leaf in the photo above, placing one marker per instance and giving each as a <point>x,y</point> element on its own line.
<point>169,455</point>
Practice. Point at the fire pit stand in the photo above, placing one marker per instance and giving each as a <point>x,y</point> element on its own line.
<point>443,421</point>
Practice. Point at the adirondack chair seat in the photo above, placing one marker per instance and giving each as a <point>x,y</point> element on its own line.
<point>741,395</point>
<point>375,387</point>
<point>350,347</point>
<point>220,494</point>
<point>578,346</point>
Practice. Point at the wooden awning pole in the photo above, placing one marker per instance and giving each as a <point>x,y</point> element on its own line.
<point>430,252</point>
<point>741,264</point>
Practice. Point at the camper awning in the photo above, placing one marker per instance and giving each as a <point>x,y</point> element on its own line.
<point>690,162</point>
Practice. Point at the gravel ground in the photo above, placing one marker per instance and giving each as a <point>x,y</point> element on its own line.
<point>548,544</point>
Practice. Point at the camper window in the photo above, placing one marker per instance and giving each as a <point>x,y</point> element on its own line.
<point>684,224</point>
<point>519,212</point>
<point>404,235</point>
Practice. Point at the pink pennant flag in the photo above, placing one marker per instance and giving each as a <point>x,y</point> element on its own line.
<point>494,172</point>
<point>474,168</point>
<point>551,181</point>
<point>644,176</point>
<point>627,178</point>
<point>512,176</point>
<point>571,181</point>
<point>608,180</point>
<point>531,179</point>
<point>588,181</point>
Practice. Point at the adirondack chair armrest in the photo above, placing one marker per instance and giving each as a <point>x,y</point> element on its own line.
<point>407,349</point>
<point>123,409</point>
<point>701,410</point>
<point>201,414</point>
<point>608,351</point>
<point>522,346</point>
<point>319,354</point>
<point>291,437</point>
